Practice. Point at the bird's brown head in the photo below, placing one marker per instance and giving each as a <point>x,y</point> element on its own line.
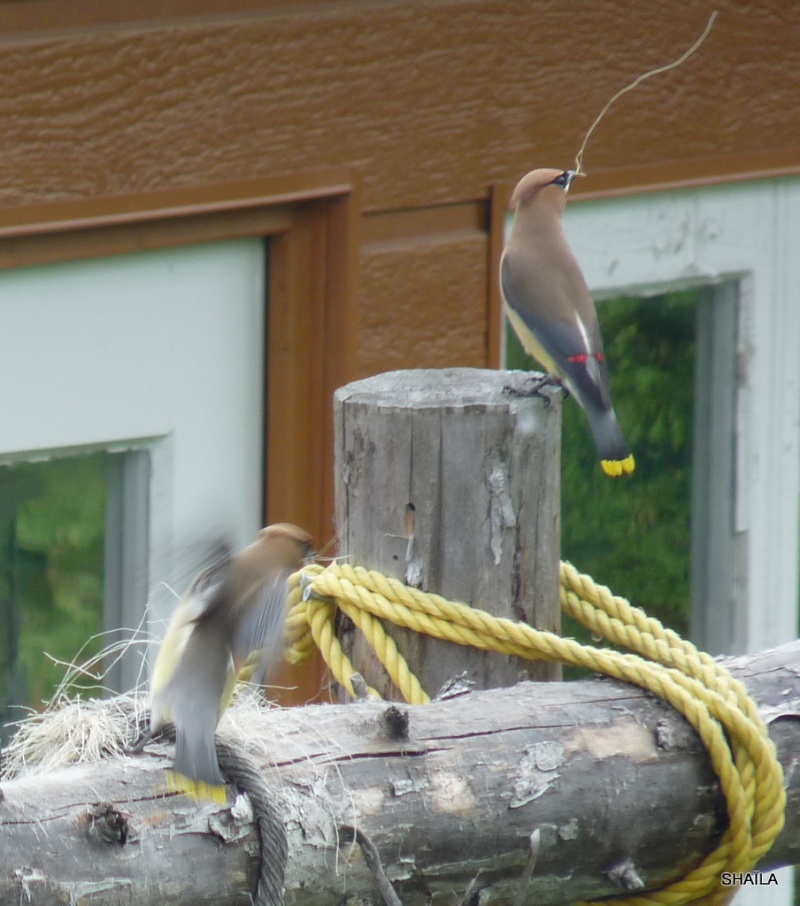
<point>546,184</point>
<point>285,534</point>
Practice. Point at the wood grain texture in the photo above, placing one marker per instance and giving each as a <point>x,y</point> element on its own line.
<point>432,101</point>
<point>422,302</point>
<point>481,470</point>
<point>495,319</point>
<point>47,247</point>
<point>604,770</point>
<point>311,338</point>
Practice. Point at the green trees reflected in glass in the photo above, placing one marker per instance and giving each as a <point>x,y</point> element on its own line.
<point>52,531</point>
<point>633,533</point>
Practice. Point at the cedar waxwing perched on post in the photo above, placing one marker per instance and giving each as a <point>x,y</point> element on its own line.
<point>551,310</point>
<point>232,609</point>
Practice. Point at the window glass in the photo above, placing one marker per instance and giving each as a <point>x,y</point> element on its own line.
<point>52,531</point>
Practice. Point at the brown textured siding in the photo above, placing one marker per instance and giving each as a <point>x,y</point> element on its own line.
<point>423,281</point>
<point>432,101</point>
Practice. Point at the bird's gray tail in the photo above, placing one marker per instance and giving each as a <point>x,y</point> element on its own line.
<point>615,456</point>
<point>196,754</point>
<point>193,698</point>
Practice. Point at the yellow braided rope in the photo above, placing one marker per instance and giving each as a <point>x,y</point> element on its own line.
<point>714,703</point>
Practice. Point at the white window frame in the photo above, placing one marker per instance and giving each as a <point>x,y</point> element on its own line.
<point>740,238</point>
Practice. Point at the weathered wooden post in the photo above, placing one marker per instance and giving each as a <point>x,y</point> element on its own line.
<point>449,482</point>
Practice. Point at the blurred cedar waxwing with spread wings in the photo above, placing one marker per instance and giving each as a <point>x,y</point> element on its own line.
<point>550,308</point>
<point>232,609</point>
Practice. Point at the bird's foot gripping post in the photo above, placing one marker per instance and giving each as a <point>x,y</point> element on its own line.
<point>536,385</point>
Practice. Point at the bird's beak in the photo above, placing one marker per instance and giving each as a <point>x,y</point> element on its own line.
<point>571,174</point>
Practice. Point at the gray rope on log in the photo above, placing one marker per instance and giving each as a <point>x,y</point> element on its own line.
<point>245,774</point>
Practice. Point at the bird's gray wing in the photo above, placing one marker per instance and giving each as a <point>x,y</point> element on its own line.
<point>535,301</point>
<point>261,627</point>
<point>193,696</point>
<point>213,576</point>
<point>209,589</point>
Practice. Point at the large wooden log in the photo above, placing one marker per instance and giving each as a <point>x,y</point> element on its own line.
<point>603,770</point>
<point>451,483</point>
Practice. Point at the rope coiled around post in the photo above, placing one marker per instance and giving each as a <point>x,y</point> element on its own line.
<point>702,690</point>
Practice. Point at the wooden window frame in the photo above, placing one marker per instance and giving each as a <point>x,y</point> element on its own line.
<point>312,222</point>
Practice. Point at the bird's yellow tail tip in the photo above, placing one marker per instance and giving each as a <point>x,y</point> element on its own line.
<point>616,467</point>
<point>178,783</point>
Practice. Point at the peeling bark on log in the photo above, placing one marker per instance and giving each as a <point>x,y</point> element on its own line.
<point>605,771</point>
